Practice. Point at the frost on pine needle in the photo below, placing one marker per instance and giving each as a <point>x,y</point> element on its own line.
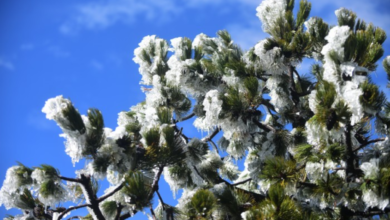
<point>269,11</point>
<point>370,169</point>
<point>306,136</point>
<point>150,51</point>
<point>49,187</point>
<point>335,47</point>
<point>253,164</point>
<point>270,60</point>
<point>371,199</point>
<point>212,105</point>
<point>16,178</point>
<point>54,106</point>
<point>199,40</point>
<point>314,171</point>
<point>351,94</point>
<point>336,39</point>
<point>179,47</point>
<point>229,169</point>
<point>311,23</point>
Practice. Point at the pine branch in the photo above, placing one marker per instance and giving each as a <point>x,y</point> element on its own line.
<point>197,172</point>
<point>212,135</point>
<point>118,211</point>
<point>310,185</point>
<point>71,209</point>
<point>128,215</point>
<point>152,212</point>
<point>90,196</point>
<point>291,75</point>
<point>350,156</point>
<point>368,143</point>
<point>214,146</point>
<point>161,200</point>
<point>180,132</point>
<point>265,127</point>
<point>155,182</point>
<point>186,117</point>
<point>102,198</point>
<point>242,182</point>
<point>266,102</point>
<point>369,213</point>
<point>69,179</point>
<point>74,217</point>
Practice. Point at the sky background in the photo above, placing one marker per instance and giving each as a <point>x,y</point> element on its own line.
<point>83,50</point>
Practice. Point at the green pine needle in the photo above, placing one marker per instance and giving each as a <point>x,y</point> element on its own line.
<point>74,118</point>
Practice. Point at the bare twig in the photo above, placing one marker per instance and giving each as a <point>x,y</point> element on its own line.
<point>127,215</point>
<point>155,182</point>
<point>265,127</point>
<point>118,211</point>
<point>212,135</point>
<point>152,212</point>
<point>197,172</point>
<point>119,187</point>
<point>69,179</point>
<point>242,182</point>
<point>368,143</point>
<point>215,146</point>
<point>161,200</point>
<point>71,209</point>
<point>350,156</point>
<point>186,117</point>
<point>74,217</point>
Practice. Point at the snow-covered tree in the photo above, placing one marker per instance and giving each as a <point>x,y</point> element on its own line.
<point>315,146</point>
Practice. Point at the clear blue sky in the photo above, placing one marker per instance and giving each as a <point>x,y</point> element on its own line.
<point>83,50</point>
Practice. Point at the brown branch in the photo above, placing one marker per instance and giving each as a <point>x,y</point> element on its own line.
<point>291,75</point>
<point>69,179</point>
<point>71,209</point>
<point>118,211</point>
<point>310,185</point>
<point>197,172</point>
<point>74,217</point>
<point>368,143</point>
<point>338,168</point>
<point>127,215</point>
<point>369,213</point>
<point>186,117</point>
<point>180,132</point>
<point>266,103</point>
<point>265,127</point>
<point>212,135</point>
<point>152,212</point>
<point>161,200</point>
<point>155,182</point>
<point>90,196</point>
<point>102,198</point>
<point>242,182</point>
<point>214,146</point>
<point>350,156</point>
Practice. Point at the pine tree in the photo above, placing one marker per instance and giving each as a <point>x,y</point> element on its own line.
<point>315,147</point>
